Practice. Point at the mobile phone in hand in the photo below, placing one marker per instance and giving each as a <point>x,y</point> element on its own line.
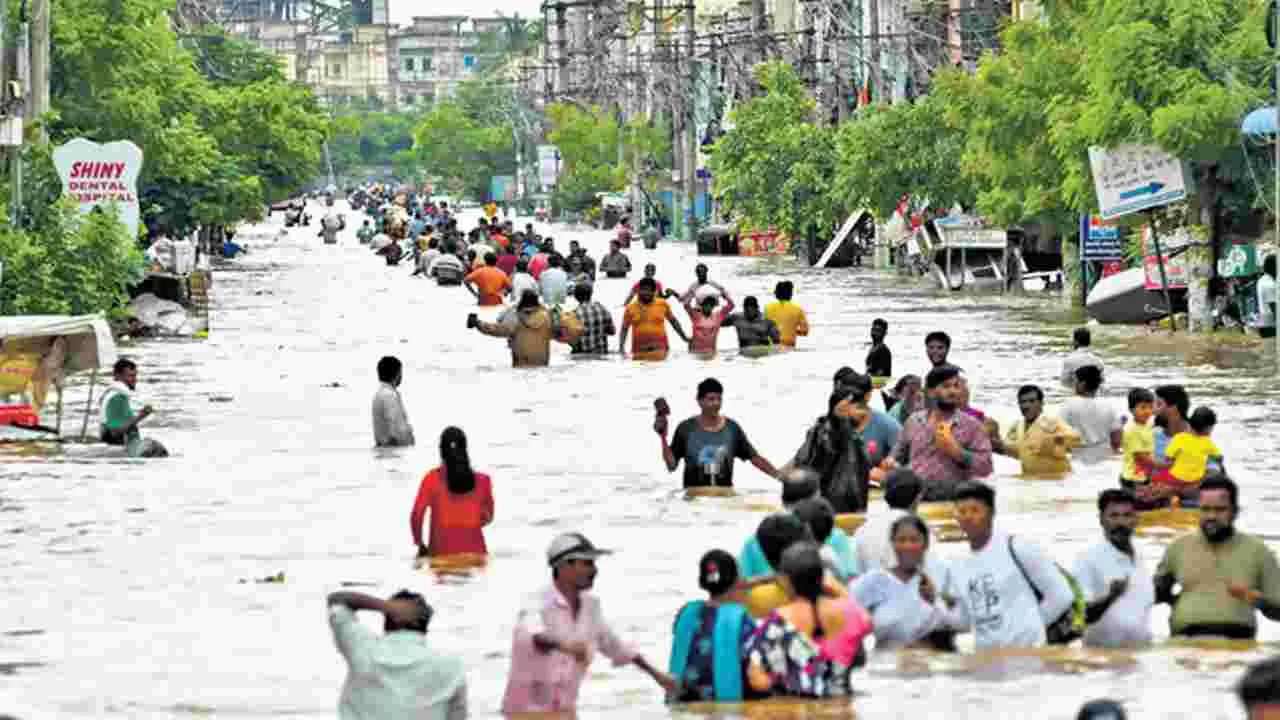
<point>472,320</point>
<point>661,408</point>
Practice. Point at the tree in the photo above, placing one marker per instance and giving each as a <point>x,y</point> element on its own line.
<point>587,140</point>
<point>774,168</point>
<point>517,37</point>
<point>363,138</point>
<point>1005,114</point>
<point>450,144</point>
<point>216,146</point>
<point>76,264</point>
<point>897,150</point>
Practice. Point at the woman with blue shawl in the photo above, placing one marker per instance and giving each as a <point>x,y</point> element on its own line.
<point>712,637</point>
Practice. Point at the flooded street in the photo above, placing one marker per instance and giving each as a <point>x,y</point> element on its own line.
<point>129,586</point>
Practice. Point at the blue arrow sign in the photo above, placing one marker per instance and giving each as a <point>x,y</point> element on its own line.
<point>1150,189</point>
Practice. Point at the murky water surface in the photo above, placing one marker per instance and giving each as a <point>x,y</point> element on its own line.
<point>129,588</point>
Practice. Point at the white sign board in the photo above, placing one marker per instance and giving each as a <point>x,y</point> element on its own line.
<point>95,174</point>
<point>548,166</point>
<point>973,238</point>
<point>1132,178</point>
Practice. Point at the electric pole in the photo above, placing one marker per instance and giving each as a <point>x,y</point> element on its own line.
<point>39,87</point>
<point>691,130</point>
<point>562,50</point>
<point>873,72</point>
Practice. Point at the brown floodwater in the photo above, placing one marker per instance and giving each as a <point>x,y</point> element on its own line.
<point>136,588</point>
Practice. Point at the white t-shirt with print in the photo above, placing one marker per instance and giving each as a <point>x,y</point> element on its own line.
<point>997,601</point>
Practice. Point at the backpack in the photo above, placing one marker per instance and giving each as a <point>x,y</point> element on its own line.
<point>1072,624</point>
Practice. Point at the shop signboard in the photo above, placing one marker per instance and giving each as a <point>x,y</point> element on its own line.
<point>94,174</point>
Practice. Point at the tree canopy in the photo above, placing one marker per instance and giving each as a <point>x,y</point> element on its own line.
<point>221,129</point>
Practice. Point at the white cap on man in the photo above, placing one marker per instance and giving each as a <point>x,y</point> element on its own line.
<point>573,546</point>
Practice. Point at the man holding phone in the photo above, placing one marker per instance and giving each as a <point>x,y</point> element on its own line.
<point>707,442</point>
<point>945,446</point>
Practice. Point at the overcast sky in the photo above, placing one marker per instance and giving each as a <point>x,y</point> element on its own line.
<point>402,11</point>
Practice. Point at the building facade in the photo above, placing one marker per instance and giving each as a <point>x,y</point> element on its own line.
<point>370,62</point>
<point>430,57</point>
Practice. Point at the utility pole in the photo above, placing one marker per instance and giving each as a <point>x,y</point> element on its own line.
<point>5,107</point>
<point>562,50</point>
<point>691,126</point>
<point>873,72</point>
<point>548,81</point>
<point>38,89</point>
<point>18,80</point>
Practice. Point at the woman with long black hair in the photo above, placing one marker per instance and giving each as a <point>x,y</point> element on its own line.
<point>459,498</point>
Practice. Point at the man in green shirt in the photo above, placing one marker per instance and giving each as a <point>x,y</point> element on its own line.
<point>1224,574</point>
<point>119,423</point>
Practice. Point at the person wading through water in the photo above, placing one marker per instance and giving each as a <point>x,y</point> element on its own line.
<point>119,423</point>
<point>530,330</point>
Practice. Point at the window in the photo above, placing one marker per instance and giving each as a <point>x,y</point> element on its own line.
<point>408,64</point>
<point>409,99</point>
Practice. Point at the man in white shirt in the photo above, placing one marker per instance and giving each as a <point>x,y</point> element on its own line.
<point>554,282</point>
<point>1267,298</point>
<point>522,281</point>
<point>391,426</point>
<point>1007,590</point>
<point>395,675</point>
<point>1119,590</point>
<point>1080,357</point>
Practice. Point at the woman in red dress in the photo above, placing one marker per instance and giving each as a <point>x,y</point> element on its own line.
<point>460,500</point>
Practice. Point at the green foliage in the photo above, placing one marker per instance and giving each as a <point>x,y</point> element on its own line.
<point>589,140</point>
<point>221,130</point>
<point>775,167</point>
<point>894,150</point>
<point>1005,114</point>
<point>451,144</point>
<point>518,37</point>
<point>75,265</point>
<point>1179,74</point>
<point>363,138</point>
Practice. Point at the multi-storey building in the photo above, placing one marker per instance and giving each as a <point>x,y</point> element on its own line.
<point>430,57</point>
<point>347,52</point>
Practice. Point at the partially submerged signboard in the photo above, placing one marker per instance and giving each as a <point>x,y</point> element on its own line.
<point>96,174</point>
<point>1133,178</point>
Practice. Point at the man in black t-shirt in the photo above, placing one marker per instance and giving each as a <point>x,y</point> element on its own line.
<point>880,358</point>
<point>708,443</point>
